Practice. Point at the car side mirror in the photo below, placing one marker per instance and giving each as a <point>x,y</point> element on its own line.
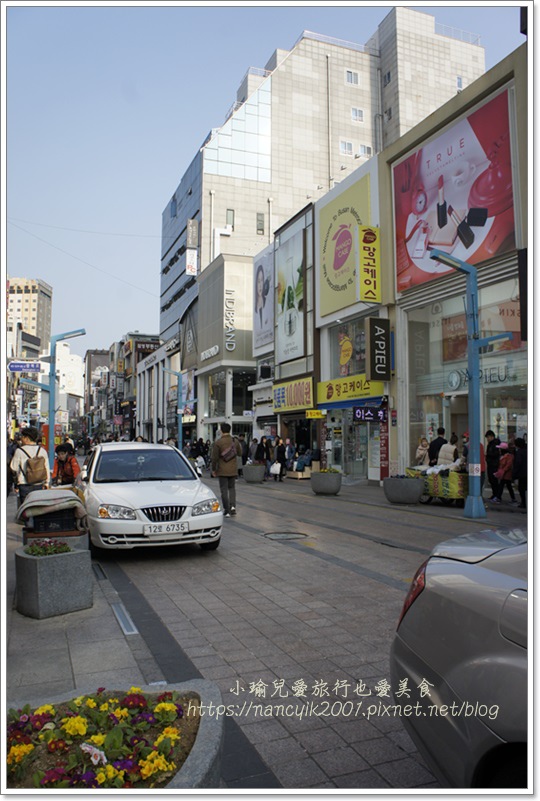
<point>84,474</point>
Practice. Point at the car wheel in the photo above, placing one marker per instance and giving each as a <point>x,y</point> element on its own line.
<point>505,768</point>
<point>425,498</point>
<point>210,546</point>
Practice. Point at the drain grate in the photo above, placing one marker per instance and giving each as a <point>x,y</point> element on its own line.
<point>284,535</point>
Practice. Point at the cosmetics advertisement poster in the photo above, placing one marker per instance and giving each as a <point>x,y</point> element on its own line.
<point>263,305</point>
<point>455,194</point>
<point>498,318</point>
<point>289,266</point>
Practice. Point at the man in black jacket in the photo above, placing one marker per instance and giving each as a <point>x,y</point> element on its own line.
<point>492,460</point>
<point>435,446</point>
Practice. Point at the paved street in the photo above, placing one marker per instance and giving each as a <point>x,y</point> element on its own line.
<point>304,592</point>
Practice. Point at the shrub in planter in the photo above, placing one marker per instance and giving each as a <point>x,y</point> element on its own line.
<point>254,473</point>
<point>401,489</point>
<point>137,739</point>
<point>52,579</point>
<point>326,481</point>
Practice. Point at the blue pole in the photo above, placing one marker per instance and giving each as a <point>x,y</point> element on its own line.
<point>52,400</point>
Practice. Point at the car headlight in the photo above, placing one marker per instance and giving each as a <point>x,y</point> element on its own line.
<point>206,507</point>
<point>113,512</point>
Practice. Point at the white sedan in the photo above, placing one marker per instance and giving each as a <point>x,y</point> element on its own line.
<point>139,494</point>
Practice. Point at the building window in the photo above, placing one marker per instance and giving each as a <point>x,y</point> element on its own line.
<point>230,218</point>
<point>345,148</point>
<point>387,78</point>
<point>351,77</point>
<point>173,207</point>
<point>364,150</point>
<point>260,223</point>
<point>357,114</point>
<point>459,83</point>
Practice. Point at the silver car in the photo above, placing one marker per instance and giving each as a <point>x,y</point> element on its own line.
<point>459,661</point>
<point>139,494</point>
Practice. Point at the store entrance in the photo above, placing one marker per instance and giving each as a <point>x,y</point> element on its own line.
<point>349,445</point>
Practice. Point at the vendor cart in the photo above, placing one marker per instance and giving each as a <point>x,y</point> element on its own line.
<point>450,486</point>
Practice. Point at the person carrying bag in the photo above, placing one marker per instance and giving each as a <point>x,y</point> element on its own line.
<point>30,465</point>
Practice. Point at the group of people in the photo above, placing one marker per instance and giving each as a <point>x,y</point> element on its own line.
<point>502,463</point>
<point>28,464</point>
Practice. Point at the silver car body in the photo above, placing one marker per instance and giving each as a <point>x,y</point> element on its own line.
<point>162,508</point>
<point>465,634</point>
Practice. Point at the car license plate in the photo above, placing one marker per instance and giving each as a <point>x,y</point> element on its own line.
<point>165,528</point>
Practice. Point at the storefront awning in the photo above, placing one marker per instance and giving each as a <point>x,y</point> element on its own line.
<point>348,404</point>
<point>267,419</point>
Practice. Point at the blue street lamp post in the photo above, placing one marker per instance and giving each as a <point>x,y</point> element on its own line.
<point>474,505</point>
<point>79,332</point>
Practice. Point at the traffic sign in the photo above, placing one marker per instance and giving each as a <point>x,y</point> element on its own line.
<point>24,367</point>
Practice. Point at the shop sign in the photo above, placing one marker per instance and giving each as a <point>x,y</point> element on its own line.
<point>370,414</point>
<point>191,262</point>
<point>315,414</point>
<point>209,353</point>
<point>378,349</point>
<point>172,344</point>
<point>189,418</point>
<point>370,264</point>
<point>348,389</point>
<point>121,366</point>
<point>192,234</point>
<point>293,395</point>
<point>229,320</point>
<point>497,374</point>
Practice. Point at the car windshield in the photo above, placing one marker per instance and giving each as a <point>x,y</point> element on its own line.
<point>142,465</point>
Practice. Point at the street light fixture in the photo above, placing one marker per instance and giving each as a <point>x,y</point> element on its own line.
<point>79,332</point>
<point>474,505</point>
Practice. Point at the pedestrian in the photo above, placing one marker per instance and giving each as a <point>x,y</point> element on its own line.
<point>11,447</point>
<point>422,455</point>
<point>504,474</point>
<point>225,451</point>
<point>30,465</point>
<point>492,461</point>
<point>66,467</point>
<point>435,446</point>
<point>290,451</point>
<point>69,441</point>
<point>253,449</point>
<point>519,470</point>
<point>465,447</point>
<point>448,452</point>
<point>269,454</point>
<point>244,447</point>
<point>280,456</point>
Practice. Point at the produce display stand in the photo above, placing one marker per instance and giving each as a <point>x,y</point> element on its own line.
<point>453,486</point>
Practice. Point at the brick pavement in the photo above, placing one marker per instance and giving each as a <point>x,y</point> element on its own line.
<point>318,606</point>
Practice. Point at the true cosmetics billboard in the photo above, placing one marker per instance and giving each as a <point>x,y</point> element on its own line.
<point>455,194</point>
<point>263,309</point>
<point>289,282</point>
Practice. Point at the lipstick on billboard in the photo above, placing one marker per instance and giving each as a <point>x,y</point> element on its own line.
<point>464,230</point>
<point>442,216</point>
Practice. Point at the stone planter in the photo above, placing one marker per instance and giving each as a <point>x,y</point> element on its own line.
<point>326,483</point>
<point>202,768</point>
<point>53,585</point>
<point>403,490</point>
<point>254,473</point>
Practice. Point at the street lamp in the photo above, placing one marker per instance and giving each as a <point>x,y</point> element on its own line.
<point>79,332</point>
<point>474,505</point>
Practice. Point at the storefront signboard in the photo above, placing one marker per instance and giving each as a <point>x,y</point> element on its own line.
<point>370,264</point>
<point>315,414</point>
<point>370,414</point>
<point>191,261</point>
<point>263,308</point>
<point>293,395</point>
<point>378,349</point>
<point>339,222</point>
<point>351,388</point>
<point>455,193</point>
<point>289,268</point>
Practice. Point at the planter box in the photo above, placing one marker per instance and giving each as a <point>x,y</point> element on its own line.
<point>254,473</point>
<point>202,768</point>
<point>326,483</point>
<point>53,585</point>
<point>77,539</point>
<point>403,490</point>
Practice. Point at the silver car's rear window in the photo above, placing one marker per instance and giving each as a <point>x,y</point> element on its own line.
<point>148,465</point>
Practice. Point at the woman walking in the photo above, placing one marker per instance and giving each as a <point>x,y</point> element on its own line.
<point>504,474</point>
<point>281,457</point>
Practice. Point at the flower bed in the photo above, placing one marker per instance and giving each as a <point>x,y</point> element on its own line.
<point>103,740</point>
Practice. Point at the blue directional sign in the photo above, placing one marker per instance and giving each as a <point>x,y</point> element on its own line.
<point>24,367</point>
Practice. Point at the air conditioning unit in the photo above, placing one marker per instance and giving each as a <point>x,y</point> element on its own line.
<point>265,371</point>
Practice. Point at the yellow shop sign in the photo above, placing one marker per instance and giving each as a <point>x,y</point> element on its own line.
<point>352,388</point>
<point>293,395</point>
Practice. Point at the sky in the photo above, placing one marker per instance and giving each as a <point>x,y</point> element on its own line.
<point>103,109</point>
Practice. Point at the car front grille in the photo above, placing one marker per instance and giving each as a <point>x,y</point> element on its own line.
<point>163,514</point>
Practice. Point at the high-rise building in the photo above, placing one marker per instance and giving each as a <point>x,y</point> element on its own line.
<point>297,127</point>
<point>30,303</point>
